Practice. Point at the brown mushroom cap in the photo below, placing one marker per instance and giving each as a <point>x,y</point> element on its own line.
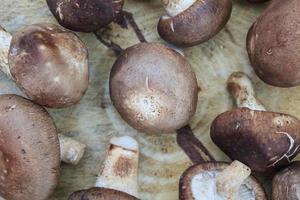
<point>101,194</point>
<point>153,88</point>
<point>49,64</point>
<point>262,140</point>
<point>286,183</point>
<point>29,150</point>
<point>185,183</point>
<point>273,44</point>
<point>85,15</point>
<point>197,24</point>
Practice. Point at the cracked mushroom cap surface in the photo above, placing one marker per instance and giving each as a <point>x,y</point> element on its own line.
<point>29,150</point>
<point>49,64</point>
<point>265,141</point>
<point>101,194</point>
<point>273,50</point>
<point>190,187</point>
<point>85,15</point>
<point>197,24</point>
<point>153,88</point>
<point>286,183</point>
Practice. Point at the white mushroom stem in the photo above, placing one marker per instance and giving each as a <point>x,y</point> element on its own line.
<point>175,7</point>
<point>5,39</point>
<point>240,86</point>
<point>120,169</point>
<point>71,151</point>
<point>230,179</point>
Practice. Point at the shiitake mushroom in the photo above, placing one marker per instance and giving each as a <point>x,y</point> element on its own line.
<point>85,15</point>
<point>31,150</point>
<point>263,140</point>
<point>286,183</point>
<point>272,44</point>
<point>118,178</point>
<point>153,88</point>
<point>218,181</point>
<point>48,63</point>
<point>191,22</point>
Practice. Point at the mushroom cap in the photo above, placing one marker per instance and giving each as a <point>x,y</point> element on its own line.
<point>153,88</point>
<point>49,64</point>
<point>29,150</point>
<point>262,140</point>
<point>101,194</point>
<point>185,182</point>
<point>197,24</point>
<point>286,183</point>
<point>85,15</point>
<point>274,50</point>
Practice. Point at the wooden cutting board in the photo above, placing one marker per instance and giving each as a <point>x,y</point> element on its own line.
<point>94,121</point>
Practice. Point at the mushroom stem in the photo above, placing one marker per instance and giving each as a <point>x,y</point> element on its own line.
<point>231,178</point>
<point>174,7</point>
<point>129,17</point>
<point>71,151</point>
<point>5,39</point>
<point>120,169</point>
<point>193,147</point>
<point>240,86</point>
<point>117,49</point>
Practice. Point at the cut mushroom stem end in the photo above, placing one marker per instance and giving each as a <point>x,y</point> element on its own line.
<point>71,151</point>
<point>174,7</point>
<point>120,169</point>
<point>231,178</point>
<point>5,40</point>
<point>240,86</point>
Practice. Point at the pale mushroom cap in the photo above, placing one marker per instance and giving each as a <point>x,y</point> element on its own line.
<point>190,180</point>
<point>49,64</point>
<point>29,150</point>
<point>153,88</point>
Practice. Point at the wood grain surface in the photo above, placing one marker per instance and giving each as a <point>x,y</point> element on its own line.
<point>94,121</point>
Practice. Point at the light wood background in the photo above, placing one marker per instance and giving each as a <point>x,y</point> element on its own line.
<point>94,121</point>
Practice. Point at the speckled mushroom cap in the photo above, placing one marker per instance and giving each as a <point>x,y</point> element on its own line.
<point>85,15</point>
<point>49,64</point>
<point>286,183</point>
<point>273,44</point>
<point>29,150</point>
<point>185,183</point>
<point>153,88</point>
<point>197,24</point>
<point>101,194</point>
<point>262,140</point>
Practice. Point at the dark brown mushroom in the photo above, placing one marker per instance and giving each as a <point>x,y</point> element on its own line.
<point>101,194</point>
<point>48,63</point>
<point>29,150</point>
<point>261,139</point>
<point>191,22</point>
<point>118,178</point>
<point>85,15</point>
<point>218,180</point>
<point>153,88</point>
<point>272,44</point>
<point>286,183</point>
